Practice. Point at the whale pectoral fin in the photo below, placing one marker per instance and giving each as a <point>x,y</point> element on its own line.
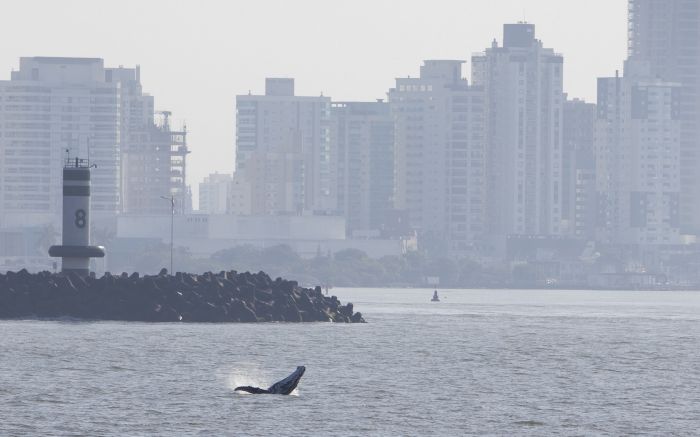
<point>253,390</point>
<point>288,384</point>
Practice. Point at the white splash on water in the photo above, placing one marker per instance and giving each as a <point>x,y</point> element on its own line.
<point>239,376</point>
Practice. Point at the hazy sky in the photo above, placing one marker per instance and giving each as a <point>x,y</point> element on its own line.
<point>195,56</point>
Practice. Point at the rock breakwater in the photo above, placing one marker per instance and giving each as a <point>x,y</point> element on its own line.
<point>227,296</point>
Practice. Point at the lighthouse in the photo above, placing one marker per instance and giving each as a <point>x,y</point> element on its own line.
<point>76,250</point>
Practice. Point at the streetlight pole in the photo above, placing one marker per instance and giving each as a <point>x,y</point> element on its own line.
<point>172,220</point>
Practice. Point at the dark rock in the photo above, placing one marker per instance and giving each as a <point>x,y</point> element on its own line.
<point>357,318</point>
<point>291,313</point>
<point>221,297</point>
<point>346,310</point>
<point>64,283</point>
<point>242,312</point>
<point>264,295</point>
<point>77,280</point>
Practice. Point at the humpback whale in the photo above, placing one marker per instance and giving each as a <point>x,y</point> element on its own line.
<point>283,387</point>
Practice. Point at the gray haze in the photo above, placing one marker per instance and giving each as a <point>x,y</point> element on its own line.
<point>195,56</point>
<point>460,144</point>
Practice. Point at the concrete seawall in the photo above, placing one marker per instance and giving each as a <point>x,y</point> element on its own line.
<point>210,297</point>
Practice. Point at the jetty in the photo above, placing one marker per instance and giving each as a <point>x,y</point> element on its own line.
<point>223,297</point>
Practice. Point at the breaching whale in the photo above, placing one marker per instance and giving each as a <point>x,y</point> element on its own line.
<point>283,387</point>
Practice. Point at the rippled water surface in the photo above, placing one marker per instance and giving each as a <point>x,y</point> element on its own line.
<point>479,362</point>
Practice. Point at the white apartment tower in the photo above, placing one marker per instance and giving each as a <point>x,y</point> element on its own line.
<point>523,83</point>
<point>283,150</point>
<point>53,108</point>
<point>439,149</point>
<point>666,34</point>
<point>638,158</point>
<point>214,193</point>
<point>50,109</point>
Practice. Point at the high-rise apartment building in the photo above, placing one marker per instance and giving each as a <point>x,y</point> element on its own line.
<point>440,156</point>
<point>283,150</point>
<point>523,84</point>
<point>579,204</point>
<point>666,34</point>
<point>638,158</point>
<point>239,200</point>
<point>53,108</point>
<point>214,193</point>
<point>362,139</point>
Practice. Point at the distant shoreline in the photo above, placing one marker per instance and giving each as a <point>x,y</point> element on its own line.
<point>522,288</point>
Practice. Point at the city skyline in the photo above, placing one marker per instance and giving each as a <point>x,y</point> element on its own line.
<point>490,157</point>
<point>198,74</point>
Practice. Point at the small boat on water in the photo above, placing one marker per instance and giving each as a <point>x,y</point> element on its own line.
<point>435,297</point>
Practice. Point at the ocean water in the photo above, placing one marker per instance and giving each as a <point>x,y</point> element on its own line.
<point>480,362</point>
